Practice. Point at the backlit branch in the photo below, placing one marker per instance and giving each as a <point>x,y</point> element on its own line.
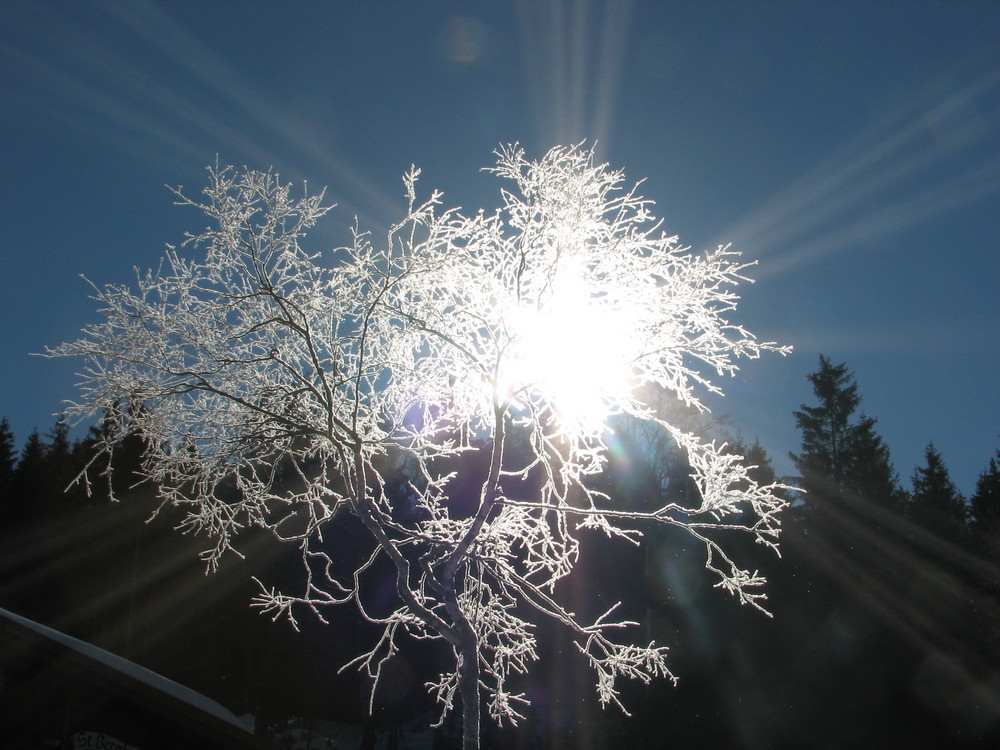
<point>451,387</point>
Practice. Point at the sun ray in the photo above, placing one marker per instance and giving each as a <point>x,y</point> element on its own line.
<point>866,190</point>
<point>186,116</point>
<point>573,57</point>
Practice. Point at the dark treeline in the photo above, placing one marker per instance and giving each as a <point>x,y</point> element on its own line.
<point>886,601</point>
<point>119,575</point>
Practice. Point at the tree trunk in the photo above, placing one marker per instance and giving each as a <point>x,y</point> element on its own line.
<point>468,684</point>
<point>468,670</point>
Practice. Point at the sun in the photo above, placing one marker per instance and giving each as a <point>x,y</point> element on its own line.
<point>573,353</point>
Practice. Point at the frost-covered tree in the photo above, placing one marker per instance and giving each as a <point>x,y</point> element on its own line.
<point>246,359</point>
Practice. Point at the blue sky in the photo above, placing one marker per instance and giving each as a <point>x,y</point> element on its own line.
<point>853,148</point>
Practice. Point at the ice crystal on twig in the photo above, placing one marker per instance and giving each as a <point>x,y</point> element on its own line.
<point>279,387</point>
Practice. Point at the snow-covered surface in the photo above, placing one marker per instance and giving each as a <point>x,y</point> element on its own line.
<point>133,670</point>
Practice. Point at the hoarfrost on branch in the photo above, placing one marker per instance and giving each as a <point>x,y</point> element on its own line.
<point>278,387</point>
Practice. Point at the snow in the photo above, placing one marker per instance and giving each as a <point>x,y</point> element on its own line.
<point>133,670</point>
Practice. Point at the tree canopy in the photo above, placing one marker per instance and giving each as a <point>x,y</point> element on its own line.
<point>278,387</point>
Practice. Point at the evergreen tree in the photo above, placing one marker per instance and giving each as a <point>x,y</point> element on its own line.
<point>761,471</point>
<point>842,459</point>
<point>28,480</point>
<point>985,509</point>
<point>60,464</point>
<point>21,531</point>
<point>936,503</point>
<point>43,471</point>
<point>870,475</point>
<point>8,459</point>
<point>825,429</point>
<point>58,440</point>
<point>754,456</point>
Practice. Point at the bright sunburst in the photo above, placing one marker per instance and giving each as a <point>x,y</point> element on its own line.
<point>574,352</point>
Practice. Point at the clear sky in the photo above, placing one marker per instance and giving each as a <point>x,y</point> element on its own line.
<point>853,148</point>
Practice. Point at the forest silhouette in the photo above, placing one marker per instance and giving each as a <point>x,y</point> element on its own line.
<point>885,601</point>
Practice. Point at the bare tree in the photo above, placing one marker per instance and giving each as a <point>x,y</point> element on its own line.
<point>257,360</point>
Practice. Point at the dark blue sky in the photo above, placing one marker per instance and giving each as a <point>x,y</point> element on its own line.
<point>852,148</point>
